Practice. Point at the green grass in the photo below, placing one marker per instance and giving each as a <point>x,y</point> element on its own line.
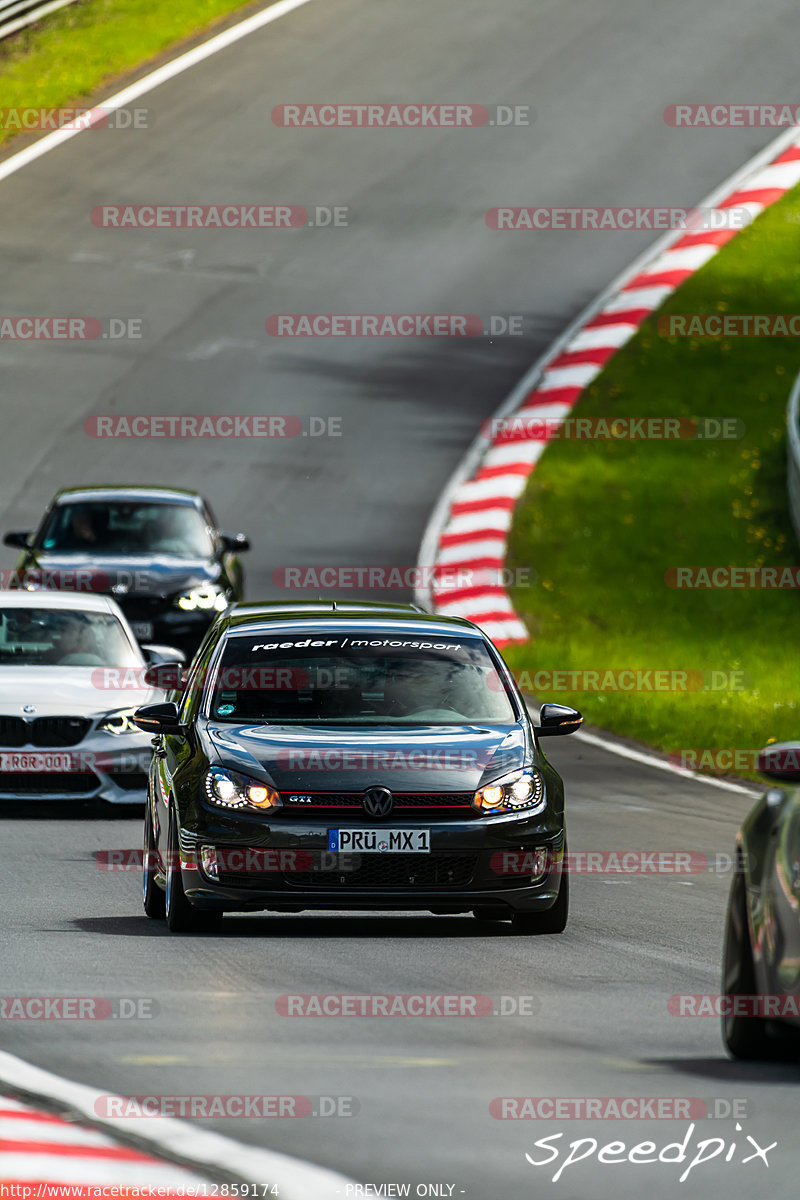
<point>601,522</point>
<point>79,49</point>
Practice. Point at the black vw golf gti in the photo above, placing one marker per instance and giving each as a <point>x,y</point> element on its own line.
<point>352,756</point>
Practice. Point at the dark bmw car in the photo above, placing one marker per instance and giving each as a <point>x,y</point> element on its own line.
<point>761,965</point>
<point>352,756</point>
<point>156,550</point>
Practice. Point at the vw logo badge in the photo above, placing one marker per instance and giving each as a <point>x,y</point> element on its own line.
<point>377,802</point>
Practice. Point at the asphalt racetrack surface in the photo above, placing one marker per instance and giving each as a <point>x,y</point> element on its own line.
<point>596,1019</point>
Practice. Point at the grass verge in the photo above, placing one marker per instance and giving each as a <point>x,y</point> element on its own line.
<point>602,522</point>
<point>74,52</point>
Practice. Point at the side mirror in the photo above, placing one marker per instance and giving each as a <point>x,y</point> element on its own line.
<point>234,543</point>
<point>18,540</point>
<point>557,719</point>
<point>157,718</point>
<point>156,653</point>
<point>780,761</point>
<point>168,676</point>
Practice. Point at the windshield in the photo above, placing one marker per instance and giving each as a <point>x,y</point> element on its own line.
<point>362,679</point>
<point>109,527</point>
<point>38,637</point>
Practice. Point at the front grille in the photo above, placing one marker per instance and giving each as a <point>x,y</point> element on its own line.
<point>13,731</point>
<point>43,731</point>
<point>141,608</point>
<point>59,731</point>
<point>384,872</point>
<point>49,783</point>
<point>439,806</point>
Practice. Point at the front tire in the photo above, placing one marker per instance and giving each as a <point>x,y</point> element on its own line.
<point>155,902</point>
<point>744,1037</point>
<point>552,920</point>
<point>182,916</point>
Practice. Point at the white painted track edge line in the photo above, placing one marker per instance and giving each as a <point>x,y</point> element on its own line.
<point>178,1140</point>
<point>650,760</point>
<point>154,79</point>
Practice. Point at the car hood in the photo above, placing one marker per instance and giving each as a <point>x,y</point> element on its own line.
<point>423,758</point>
<point>72,691</point>
<point>159,575</point>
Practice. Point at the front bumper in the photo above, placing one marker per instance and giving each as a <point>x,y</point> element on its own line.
<point>513,862</point>
<point>104,766</point>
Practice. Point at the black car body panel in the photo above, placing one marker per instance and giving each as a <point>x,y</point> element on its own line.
<point>281,859</point>
<point>768,848</point>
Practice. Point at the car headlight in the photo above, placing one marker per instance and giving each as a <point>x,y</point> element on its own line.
<point>204,598</point>
<point>229,789</point>
<point>512,793</point>
<point>120,722</point>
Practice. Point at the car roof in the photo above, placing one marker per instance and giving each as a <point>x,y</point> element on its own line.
<point>127,492</point>
<point>47,598</point>
<point>249,617</point>
<point>303,607</point>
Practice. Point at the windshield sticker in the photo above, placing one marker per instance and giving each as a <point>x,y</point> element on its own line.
<point>388,643</point>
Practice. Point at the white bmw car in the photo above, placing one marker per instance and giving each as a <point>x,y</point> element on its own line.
<point>71,674</point>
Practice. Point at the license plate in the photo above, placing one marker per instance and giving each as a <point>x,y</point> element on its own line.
<point>35,763</point>
<point>379,841</point>
<point>142,629</point>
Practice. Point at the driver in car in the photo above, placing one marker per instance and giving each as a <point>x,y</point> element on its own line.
<point>71,640</point>
<point>422,684</point>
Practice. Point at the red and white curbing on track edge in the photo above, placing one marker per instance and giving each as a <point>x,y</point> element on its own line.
<point>468,530</point>
<point>45,1152</point>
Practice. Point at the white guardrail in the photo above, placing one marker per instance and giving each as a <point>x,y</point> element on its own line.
<point>793,455</point>
<point>16,14</point>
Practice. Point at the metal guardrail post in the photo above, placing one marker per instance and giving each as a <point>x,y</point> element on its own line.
<point>17,14</point>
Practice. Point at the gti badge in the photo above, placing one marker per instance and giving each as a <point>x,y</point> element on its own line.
<point>296,799</point>
<point>377,802</point>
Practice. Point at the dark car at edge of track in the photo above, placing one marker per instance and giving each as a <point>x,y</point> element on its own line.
<point>156,550</point>
<point>761,959</point>
<point>352,757</point>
